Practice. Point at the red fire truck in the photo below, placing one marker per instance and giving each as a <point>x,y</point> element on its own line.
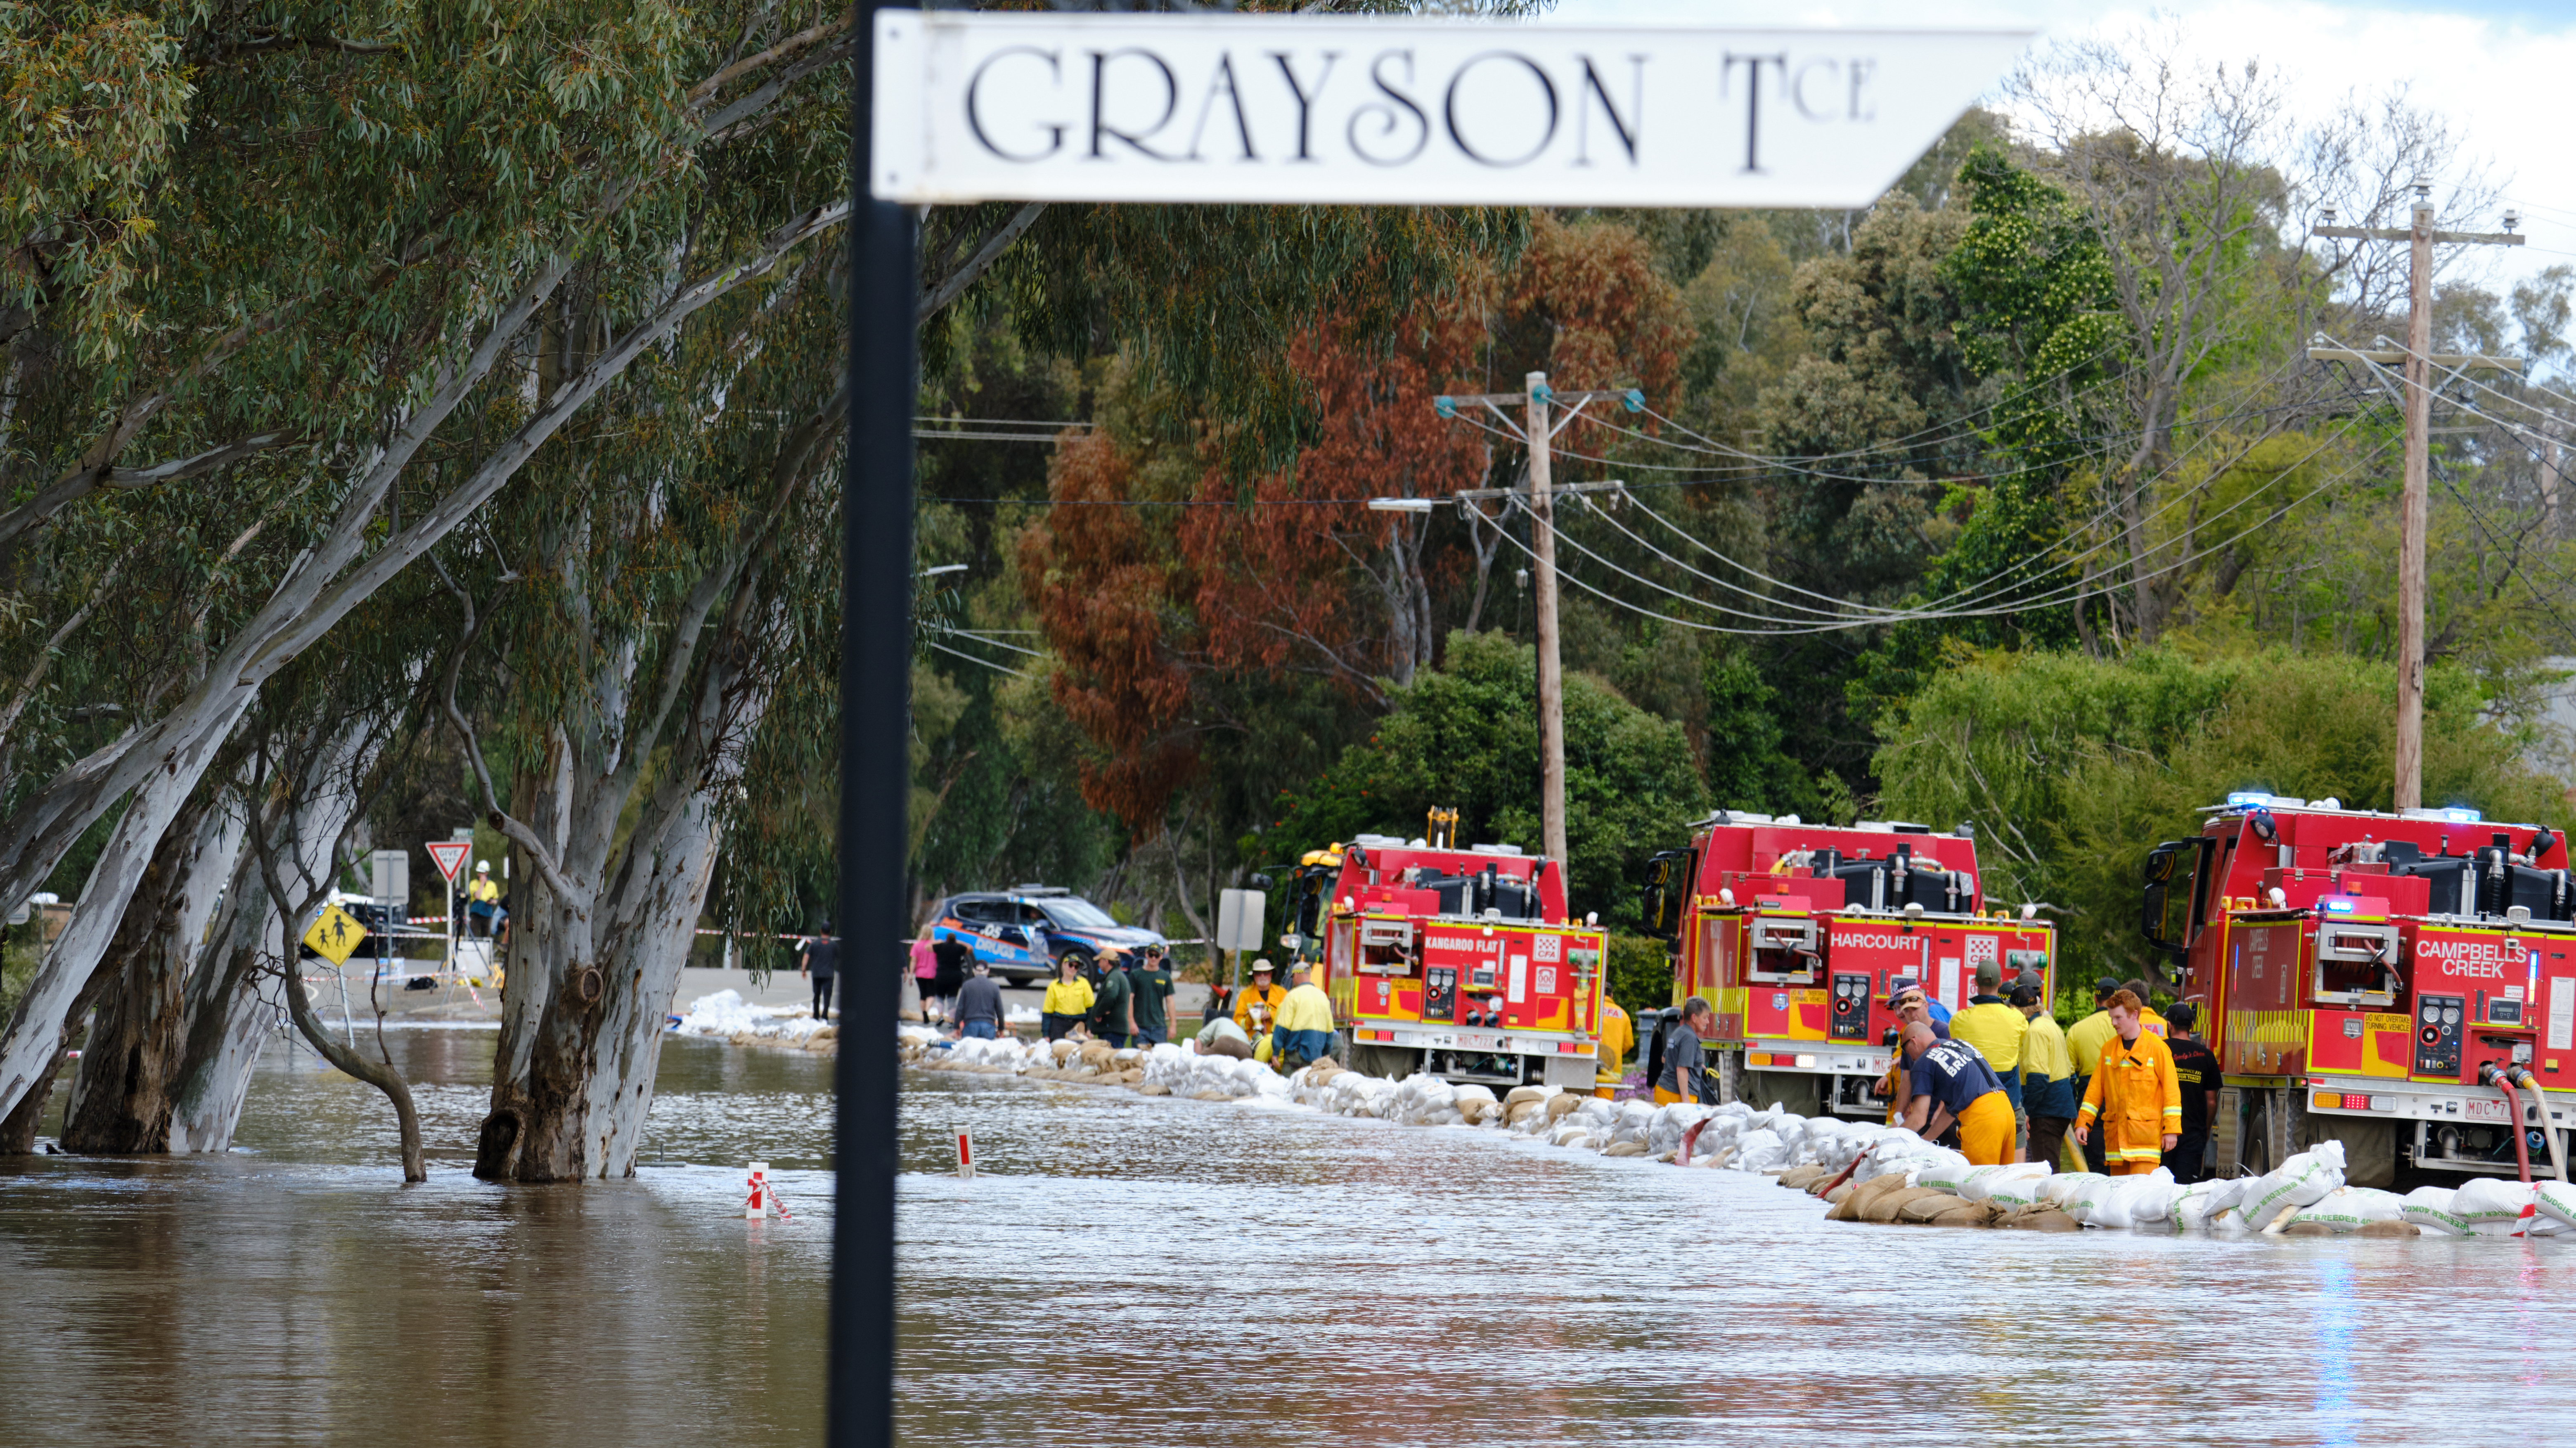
<point>2404,983</point>
<point>1793,932</point>
<point>1459,962</point>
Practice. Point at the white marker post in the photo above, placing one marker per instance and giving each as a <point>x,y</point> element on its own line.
<point>965,1154</point>
<point>759,1204</point>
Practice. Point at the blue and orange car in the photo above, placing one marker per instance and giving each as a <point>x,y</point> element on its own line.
<point>1023,931</point>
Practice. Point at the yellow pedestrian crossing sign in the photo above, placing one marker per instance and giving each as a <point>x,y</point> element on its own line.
<point>335,935</point>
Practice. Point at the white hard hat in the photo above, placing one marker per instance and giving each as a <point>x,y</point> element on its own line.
<point>482,867</point>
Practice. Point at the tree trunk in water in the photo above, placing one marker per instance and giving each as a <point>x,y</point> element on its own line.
<point>232,1009</point>
<point>35,1032</point>
<point>18,1128</point>
<point>120,1100</point>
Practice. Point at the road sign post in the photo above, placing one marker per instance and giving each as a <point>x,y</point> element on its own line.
<point>959,106</point>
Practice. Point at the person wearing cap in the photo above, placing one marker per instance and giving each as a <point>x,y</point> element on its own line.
<point>2134,1097</point>
<point>1264,996</point>
<point>1994,1028</point>
<point>1305,1029</point>
<point>2196,1073</point>
<point>1618,1037</point>
<point>1949,1081</point>
<point>979,1005</point>
<point>1907,1002</point>
<point>1113,1017</point>
<point>1148,1002</point>
<point>2047,1075</point>
<point>1068,1000</point>
<point>482,898</point>
<point>2084,1041</point>
<point>819,956</point>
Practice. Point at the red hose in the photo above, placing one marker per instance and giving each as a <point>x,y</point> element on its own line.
<point>2521,1152</point>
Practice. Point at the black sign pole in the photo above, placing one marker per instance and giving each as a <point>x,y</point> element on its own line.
<point>876,705</point>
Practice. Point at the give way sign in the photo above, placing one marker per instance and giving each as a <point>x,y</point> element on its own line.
<point>449,856</point>
<point>1361,110</point>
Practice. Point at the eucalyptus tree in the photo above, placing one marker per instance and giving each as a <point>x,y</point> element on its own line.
<point>356,228</point>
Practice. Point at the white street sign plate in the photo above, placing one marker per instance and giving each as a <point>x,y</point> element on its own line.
<point>978,106</point>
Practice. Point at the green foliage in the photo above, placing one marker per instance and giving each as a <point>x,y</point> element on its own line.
<point>1641,974</point>
<point>2072,768</point>
<point>1746,768</point>
<point>1465,736</point>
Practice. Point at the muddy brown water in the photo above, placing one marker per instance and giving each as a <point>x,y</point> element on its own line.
<point>1136,1271</point>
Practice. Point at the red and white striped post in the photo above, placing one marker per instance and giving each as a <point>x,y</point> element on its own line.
<point>759,1204</point>
<point>965,1154</point>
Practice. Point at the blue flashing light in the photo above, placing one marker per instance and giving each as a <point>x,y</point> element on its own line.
<point>2338,905</point>
<point>2459,816</point>
<point>2254,797</point>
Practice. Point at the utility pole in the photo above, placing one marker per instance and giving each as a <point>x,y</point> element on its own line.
<point>2415,507</point>
<point>1537,401</point>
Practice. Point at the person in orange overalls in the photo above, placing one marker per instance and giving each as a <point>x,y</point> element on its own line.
<point>2134,1095</point>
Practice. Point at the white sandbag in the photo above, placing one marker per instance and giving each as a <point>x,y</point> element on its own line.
<point>1569,1133</point>
<point>2201,1205</point>
<point>2297,1182</point>
<point>2128,1201</point>
<point>1759,1151</point>
<point>1165,1051</point>
<point>2492,1206</point>
<point>2557,1201</point>
<point>2063,1185</point>
<point>2430,1209</point>
<point>1947,1172</point>
<point>2015,1184</point>
<point>2349,1209</point>
<point>2085,1194</point>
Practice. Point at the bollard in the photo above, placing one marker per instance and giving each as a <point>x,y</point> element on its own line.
<point>759,1203</point>
<point>965,1154</point>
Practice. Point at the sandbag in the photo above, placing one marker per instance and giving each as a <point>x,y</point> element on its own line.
<point>1803,1176</point>
<point>1885,1206</point>
<point>1983,1181</point>
<point>2349,1209</point>
<point>2297,1182</point>
<point>2127,1201</point>
<point>2390,1229</point>
<point>2492,1206</point>
<point>1759,1151</point>
<point>1944,1171</point>
<point>2063,1186</point>
<point>1924,1208</point>
<point>2200,1204</point>
<point>2430,1209</point>
<point>1625,1148</point>
<point>2086,1196</point>
<point>2040,1219</point>
<point>1525,1093</point>
<point>1966,1214</point>
<point>1517,1112</point>
<point>2556,1200</point>
<point>1562,1105</point>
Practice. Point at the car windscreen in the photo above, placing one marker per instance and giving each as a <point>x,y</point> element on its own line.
<point>1080,915</point>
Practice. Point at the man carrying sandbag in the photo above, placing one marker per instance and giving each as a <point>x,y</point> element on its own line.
<point>2134,1095</point>
<point>1947,1081</point>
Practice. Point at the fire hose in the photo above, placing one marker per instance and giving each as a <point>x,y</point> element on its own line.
<point>2495,1076</point>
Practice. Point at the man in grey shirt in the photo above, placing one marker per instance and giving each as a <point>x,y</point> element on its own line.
<point>979,1005</point>
<point>1683,1078</point>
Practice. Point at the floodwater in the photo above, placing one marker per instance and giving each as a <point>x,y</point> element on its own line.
<point>1146,1271</point>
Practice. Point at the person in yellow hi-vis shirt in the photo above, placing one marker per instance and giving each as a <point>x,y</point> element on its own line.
<point>482,897</point>
<point>1618,1037</point>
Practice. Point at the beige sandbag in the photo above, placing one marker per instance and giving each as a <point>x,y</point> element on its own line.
<point>1525,1093</point>
<point>2317,1229</point>
<point>2041,1219</point>
<point>1885,1206</point>
<point>1968,1214</point>
<point>1845,1210</point>
<point>2389,1229</point>
<point>1097,1053</point>
<point>1925,1208</point>
<point>827,1033</point>
<point>1666,1156</point>
<point>1520,1111</point>
<point>1209,1096</point>
<point>1802,1176</point>
<point>1061,1050</point>
<point>1563,1105</point>
<point>1841,1193</point>
<point>1625,1148</point>
<point>1152,1088</point>
<point>1477,1113</point>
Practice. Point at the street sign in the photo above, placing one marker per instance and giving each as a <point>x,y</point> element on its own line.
<point>1360,110</point>
<point>449,856</point>
<point>1238,919</point>
<point>389,877</point>
<point>334,935</point>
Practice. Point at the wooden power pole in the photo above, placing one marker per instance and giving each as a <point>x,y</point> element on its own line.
<point>1537,402</point>
<point>2415,507</point>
